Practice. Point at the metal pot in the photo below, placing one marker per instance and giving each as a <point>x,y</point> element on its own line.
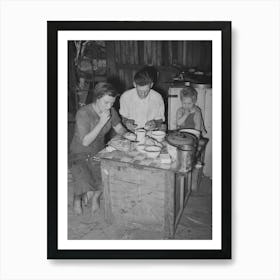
<point>186,145</point>
<point>185,157</point>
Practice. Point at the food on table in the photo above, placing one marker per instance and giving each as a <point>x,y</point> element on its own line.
<point>123,145</point>
<point>126,145</point>
<point>152,151</point>
<point>149,141</point>
<point>165,158</point>
<point>130,136</point>
<point>110,149</point>
<point>141,148</point>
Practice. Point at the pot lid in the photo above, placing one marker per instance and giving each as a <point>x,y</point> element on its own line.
<point>179,139</point>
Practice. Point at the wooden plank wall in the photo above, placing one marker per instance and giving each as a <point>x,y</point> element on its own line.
<point>125,58</point>
<point>130,56</point>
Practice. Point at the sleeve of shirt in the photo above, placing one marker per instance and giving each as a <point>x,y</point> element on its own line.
<point>124,109</point>
<point>115,117</point>
<point>82,123</point>
<point>199,123</point>
<point>160,109</point>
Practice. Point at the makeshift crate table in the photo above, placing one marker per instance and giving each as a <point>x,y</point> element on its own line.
<point>143,191</point>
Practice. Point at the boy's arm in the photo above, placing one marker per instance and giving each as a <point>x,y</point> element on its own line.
<point>160,119</point>
<point>158,116</point>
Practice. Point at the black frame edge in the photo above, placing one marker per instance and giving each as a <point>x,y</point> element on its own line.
<point>52,34</point>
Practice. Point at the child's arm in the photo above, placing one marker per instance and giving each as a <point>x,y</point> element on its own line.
<point>181,116</point>
<point>198,121</point>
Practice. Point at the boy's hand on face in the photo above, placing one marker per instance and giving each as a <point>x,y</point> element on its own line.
<point>186,112</point>
<point>195,109</point>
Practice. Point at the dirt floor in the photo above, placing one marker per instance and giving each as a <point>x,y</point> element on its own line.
<point>195,223</point>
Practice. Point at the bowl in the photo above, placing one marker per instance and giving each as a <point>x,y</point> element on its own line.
<point>152,151</point>
<point>158,135</point>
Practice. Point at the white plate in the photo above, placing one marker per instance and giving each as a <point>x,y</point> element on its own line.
<point>191,131</point>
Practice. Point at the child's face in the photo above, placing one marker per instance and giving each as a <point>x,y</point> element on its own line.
<point>187,103</point>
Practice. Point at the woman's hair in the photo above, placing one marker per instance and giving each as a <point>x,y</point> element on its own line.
<point>101,89</point>
<point>142,77</point>
<point>189,92</point>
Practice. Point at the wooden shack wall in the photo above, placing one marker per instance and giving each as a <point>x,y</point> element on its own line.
<point>124,58</point>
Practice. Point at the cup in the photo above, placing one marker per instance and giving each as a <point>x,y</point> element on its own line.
<point>140,135</point>
<point>158,135</point>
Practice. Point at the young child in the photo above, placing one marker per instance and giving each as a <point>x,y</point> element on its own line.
<point>189,115</point>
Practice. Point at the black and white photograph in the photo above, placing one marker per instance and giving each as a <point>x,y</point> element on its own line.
<point>140,129</point>
<point>139,155</point>
<point>132,136</point>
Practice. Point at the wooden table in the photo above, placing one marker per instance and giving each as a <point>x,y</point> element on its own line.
<point>143,191</point>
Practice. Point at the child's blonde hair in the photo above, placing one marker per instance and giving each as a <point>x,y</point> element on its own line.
<point>189,92</point>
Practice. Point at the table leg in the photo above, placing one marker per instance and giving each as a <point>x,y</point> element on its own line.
<point>169,211</point>
<point>106,194</point>
<point>189,187</point>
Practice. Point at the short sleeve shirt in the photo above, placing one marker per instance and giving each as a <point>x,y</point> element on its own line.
<point>86,120</point>
<point>142,110</point>
<point>194,120</point>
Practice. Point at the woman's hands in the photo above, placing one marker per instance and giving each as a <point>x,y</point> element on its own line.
<point>91,136</point>
<point>104,117</point>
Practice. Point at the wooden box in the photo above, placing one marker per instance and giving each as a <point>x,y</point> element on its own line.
<point>143,195</point>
